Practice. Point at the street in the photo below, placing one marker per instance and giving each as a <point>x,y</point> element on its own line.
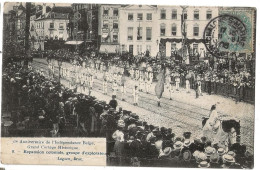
<point>183,113</point>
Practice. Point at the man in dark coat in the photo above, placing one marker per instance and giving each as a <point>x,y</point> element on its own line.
<point>113,103</point>
<point>136,146</point>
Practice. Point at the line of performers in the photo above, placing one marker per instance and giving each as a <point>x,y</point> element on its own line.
<point>82,78</point>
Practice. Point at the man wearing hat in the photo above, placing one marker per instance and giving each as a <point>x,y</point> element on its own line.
<point>136,146</point>
<point>228,161</point>
<point>204,164</point>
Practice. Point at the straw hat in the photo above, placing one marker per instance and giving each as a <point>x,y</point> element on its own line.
<point>232,153</point>
<point>221,151</point>
<point>178,145</point>
<point>167,151</point>
<point>228,158</point>
<point>204,164</point>
<point>209,150</point>
<point>187,142</point>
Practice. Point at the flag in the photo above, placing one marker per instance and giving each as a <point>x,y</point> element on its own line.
<point>138,33</point>
<point>159,88</point>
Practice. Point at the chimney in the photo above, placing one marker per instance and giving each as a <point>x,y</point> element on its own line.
<point>44,9</point>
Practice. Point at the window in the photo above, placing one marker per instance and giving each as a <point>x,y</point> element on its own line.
<point>130,33</point>
<point>115,12</point>
<point>149,16</point>
<point>209,14</point>
<point>139,49</point>
<point>174,14</point>
<point>196,15</point>
<point>162,30</point>
<point>148,33</point>
<point>115,38</point>
<point>61,26</point>
<point>185,16</point>
<point>105,24</point>
<point>130,17</point>
<point>139,33</point>
<point>140,17</point>
<point>105,12</point>
<point>51,25</point>
<point>115,24</point>
<point>131,49</point>
<point>196,30</point>
<point>174,29</point>
<point>163,14</point>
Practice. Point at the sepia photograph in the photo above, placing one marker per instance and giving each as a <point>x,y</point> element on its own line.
<point>155,85</point>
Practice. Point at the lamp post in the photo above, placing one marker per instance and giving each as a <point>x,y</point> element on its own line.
<point>59,64</point>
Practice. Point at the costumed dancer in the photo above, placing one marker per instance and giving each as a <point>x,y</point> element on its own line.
<point>135,94</point>
<point>105,80</point>
<point>150,81</point>
<point>187,82</point>
<point>177,80</point>
<point>171,85</point>
<point>114,88</point>
<point>146,81</point>
<point>168,84</point>
<point>123,90</point>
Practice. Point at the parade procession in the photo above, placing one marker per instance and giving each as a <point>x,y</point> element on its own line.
<point>160,99</point>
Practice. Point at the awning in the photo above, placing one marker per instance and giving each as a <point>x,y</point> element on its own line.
<point>108,48</point>
<point>74,42</point>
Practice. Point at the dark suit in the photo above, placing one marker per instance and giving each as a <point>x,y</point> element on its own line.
<point>136,148</point>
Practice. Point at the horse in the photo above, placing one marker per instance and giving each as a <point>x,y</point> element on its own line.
<point>229,128</point>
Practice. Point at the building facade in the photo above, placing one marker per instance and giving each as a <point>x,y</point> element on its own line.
<point>138,29</point>
<point>109,28</point>
<point>180,23</point>
<point>48,25</point>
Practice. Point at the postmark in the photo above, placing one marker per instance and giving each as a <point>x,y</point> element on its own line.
<point>225,34</point>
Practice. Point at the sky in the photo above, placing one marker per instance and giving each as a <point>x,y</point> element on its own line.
<point>9,5</point>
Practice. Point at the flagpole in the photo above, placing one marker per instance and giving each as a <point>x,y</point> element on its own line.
<point>183,30</point>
